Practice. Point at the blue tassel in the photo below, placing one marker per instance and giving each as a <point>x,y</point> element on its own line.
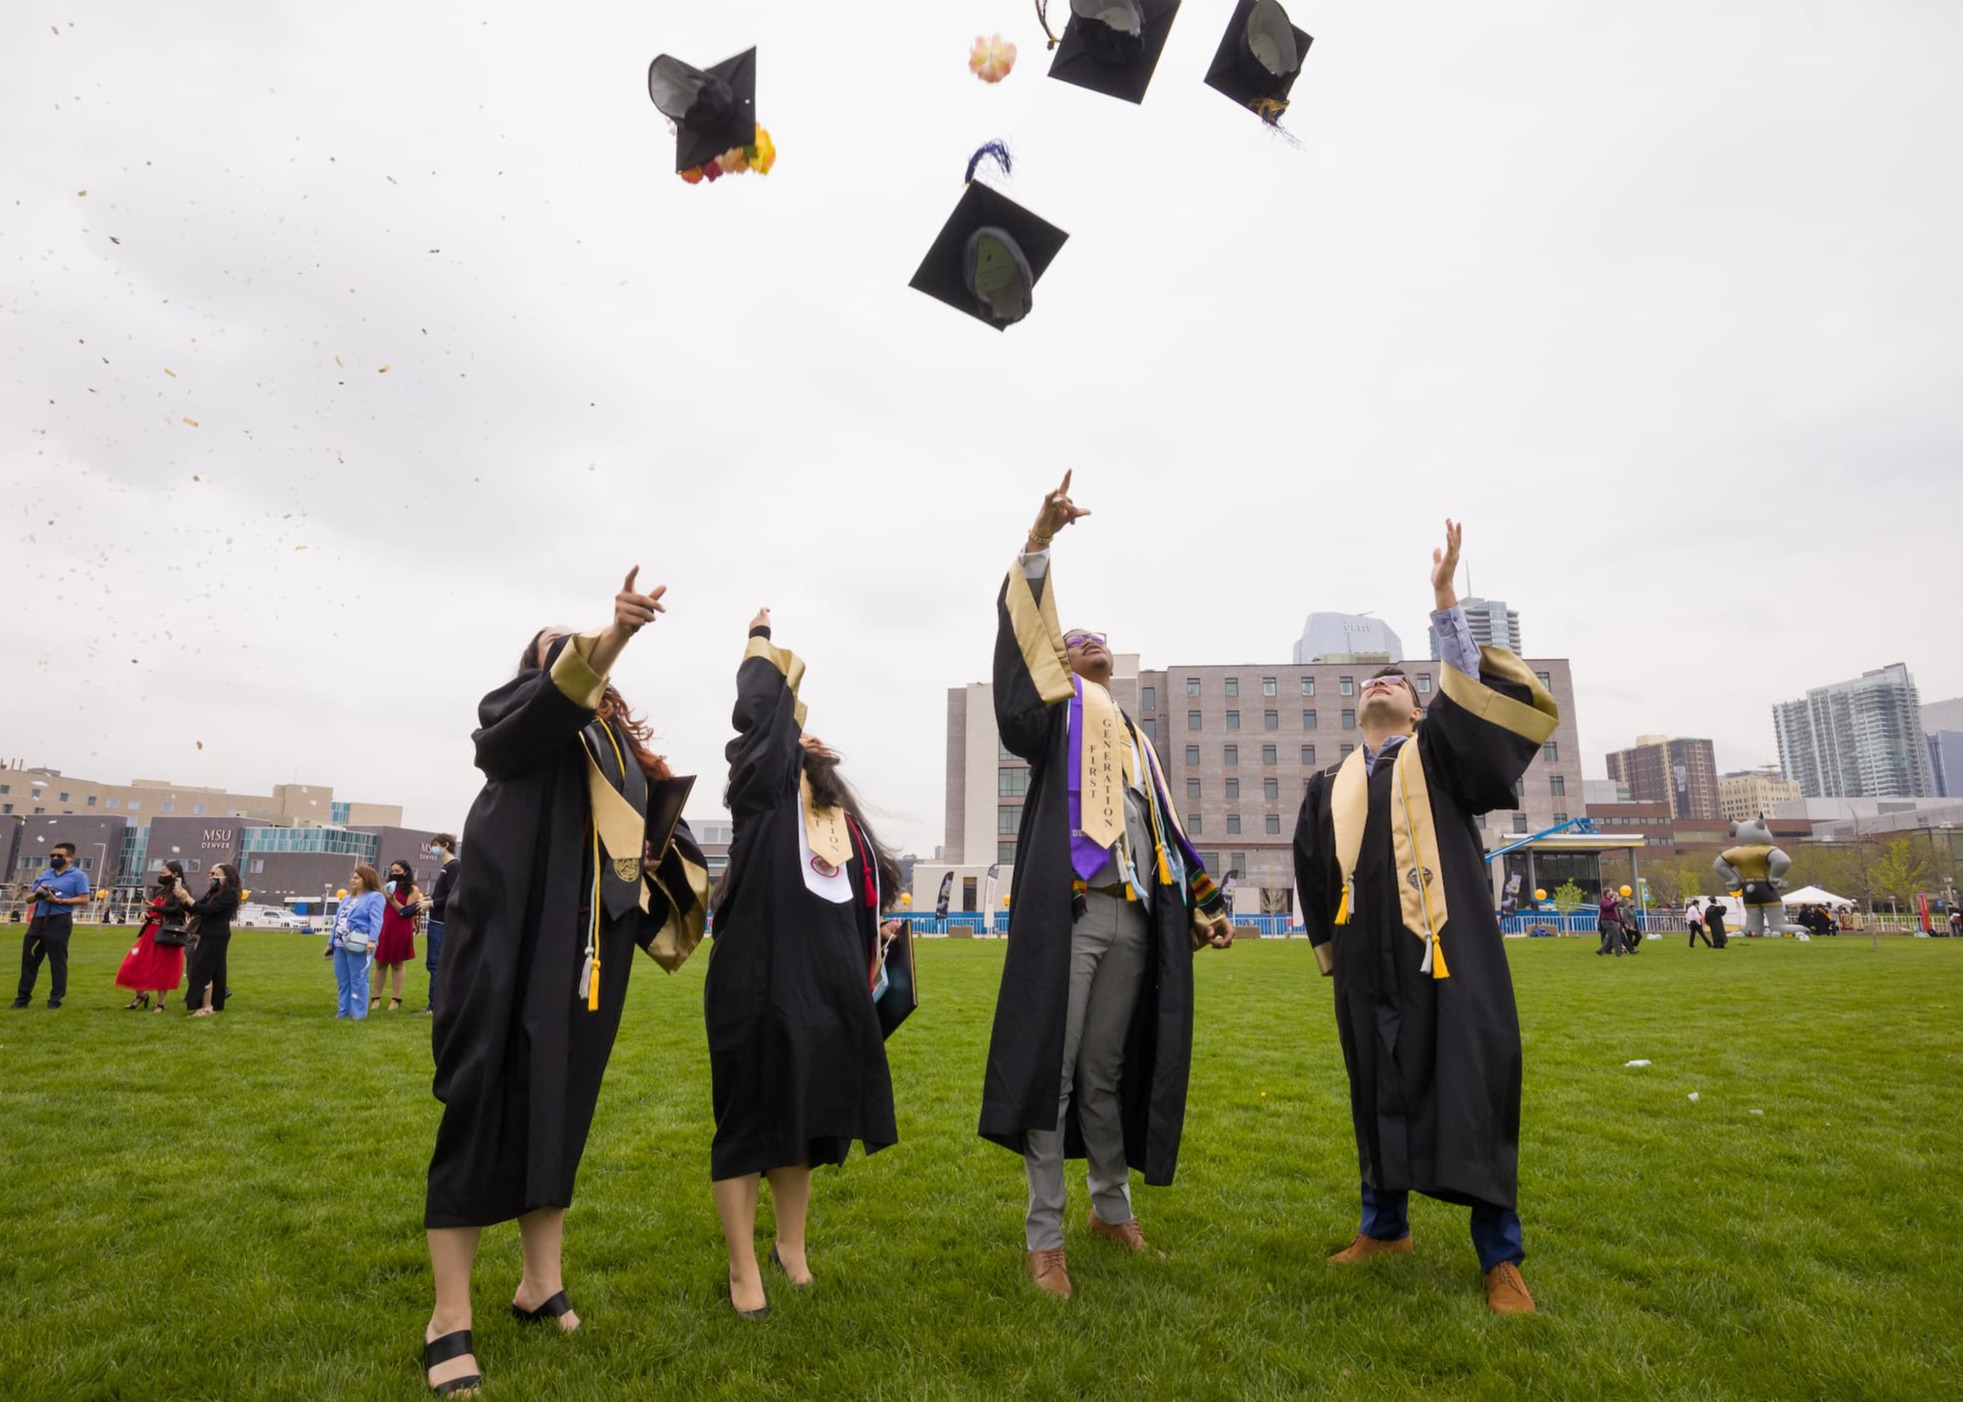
<point>996,150</point>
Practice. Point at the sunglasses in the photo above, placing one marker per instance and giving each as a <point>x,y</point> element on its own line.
<point>1081,639</point>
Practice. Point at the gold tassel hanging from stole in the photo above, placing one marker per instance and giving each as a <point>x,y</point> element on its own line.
<point>1410,842</point>
<point>589,973</point>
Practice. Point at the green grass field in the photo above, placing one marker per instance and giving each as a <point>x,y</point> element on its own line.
<point>231,1208</point>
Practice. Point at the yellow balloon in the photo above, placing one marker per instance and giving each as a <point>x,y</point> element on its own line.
<point>1626,891</point>
<point>245,895</point>
<point>1005,901</point>
<point>1540,895</point>
<point>341,895</point>
<point>906,898</point>
<point>102,895</point>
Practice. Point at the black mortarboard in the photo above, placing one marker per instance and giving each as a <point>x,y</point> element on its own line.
<point>988,256</point>
<point>1112,46</point>
<point>714,110</point>
<point>1259,58</point>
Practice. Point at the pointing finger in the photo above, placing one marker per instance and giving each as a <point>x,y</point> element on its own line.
<point>628,587</point>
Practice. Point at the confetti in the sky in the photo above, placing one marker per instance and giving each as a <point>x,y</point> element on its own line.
<point>192,422</point>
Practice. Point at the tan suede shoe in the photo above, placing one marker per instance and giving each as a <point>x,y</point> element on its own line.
<point>1364,1247</point>
<point>1506,1292</point>
<point>1046,1268</point>
<point>1127,1234</point>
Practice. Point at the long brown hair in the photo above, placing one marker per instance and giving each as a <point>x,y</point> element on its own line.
<point>371,880</point>
<point>829,790</point>
<point>613,707</point>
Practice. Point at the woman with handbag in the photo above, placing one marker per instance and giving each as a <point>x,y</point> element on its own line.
<point>156,964</point>
<point>357,926</point>
<point>796,1055</point>
<point>401,903</point>
<point>577,855</point>
<point>214,910</point>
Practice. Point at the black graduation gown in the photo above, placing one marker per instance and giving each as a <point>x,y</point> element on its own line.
<point>519,1058</point>
<point>1434,1064</point>
<point>796,1058</point>
<point>1024,1080</point>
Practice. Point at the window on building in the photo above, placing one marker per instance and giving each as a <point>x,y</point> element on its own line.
<point>1349,720</point>
<point>111,803</point>
<point>1271,788</point>
<point>1308,720</point>
<point>1151,728</point>
<point>1233,720</point>
<point>1346,685</point>
<point>1233,788</point>
<point>1192,788</point>
<point>39,809</point>
<point>1267,686</point>
<point>1545,680</point>
<point>1008,819</point>
<point>1271,824</point>
<point>6,788</point>
<point>1192,686</point>
<point>1192,720</point>
<point>1271,720</point>
<point>1002,751</point>
<point>135,804</point>
<point>1011,783</point>
<point>1233,686</point>
<point>1005,852</point>
<point>197,808</point>
<point>1148,698</point>
<point>1192,825</point>
<point>1230,754</point>
<point>1552,749</point>
<point>1424,683</point>
<point>1479,820</point>
<point>1308,686</point>
<point>163,807</point>
<point>1519,788</point>
<point>1192,754</point>
<point>1346,751</point>
<point>1308,754</point>
<point>1519,822</point>
<point>257,865</point>
<point>1233,824</point>
<point>1267,754</point>
<point>62,799</point>
<point>1557,784</point>
<point>1238,862</point>
<point>1560,817</point>
<point>91,800</point>
<point>6,807</point>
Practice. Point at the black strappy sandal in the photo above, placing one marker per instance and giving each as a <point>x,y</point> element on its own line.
<point>551,1309</point>
<point>442,1350</point>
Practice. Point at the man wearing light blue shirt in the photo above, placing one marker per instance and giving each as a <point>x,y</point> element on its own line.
<point>57,891</point>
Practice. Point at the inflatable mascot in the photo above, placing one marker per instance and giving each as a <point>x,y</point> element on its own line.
<point>1757,870</point>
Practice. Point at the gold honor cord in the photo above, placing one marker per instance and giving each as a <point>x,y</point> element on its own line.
<point>1043,18</point>
<point>589,976</point>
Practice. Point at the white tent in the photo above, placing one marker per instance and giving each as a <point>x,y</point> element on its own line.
<point>1814,895</point>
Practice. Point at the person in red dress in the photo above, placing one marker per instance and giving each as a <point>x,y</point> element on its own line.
<point>157,966</point>
<point>402,903</point>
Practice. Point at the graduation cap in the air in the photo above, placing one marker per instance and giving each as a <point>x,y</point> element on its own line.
<point>714,110</point>
<point>1112,46</point>
<point>1259,59</point>
<point>988,256</point>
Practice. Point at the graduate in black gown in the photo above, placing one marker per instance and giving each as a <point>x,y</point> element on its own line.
<point>562,884</point>
<point>1396,895</point>
<point>796,1056</point>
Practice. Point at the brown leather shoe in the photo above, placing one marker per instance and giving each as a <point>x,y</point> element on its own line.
<point>1506,1292</point>
<point>1127,1234</point>
<point>1046,1268</point>
<point>1364,1247</point>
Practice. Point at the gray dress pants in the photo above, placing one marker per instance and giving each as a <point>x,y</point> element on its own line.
<point>1108,950</point>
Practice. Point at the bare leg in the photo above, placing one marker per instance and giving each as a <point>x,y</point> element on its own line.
<point>790,1195</point>
<point>375,986</point>
<point>543,1234</point>
<point>395,982</point>
<point>452,1252</point>
<point>736,1204</point>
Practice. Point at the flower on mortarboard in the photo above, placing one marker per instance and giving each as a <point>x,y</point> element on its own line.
<point>991,59</point>
<point>765,153</point>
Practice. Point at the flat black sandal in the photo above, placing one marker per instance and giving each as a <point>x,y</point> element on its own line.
<point>551,1309</point>
<point>442,1350</point>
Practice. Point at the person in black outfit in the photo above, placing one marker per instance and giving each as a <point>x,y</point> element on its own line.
<point>215,910</point>
<point>796,1058</point>
<point>444,848</point>
<point>1714,923</point>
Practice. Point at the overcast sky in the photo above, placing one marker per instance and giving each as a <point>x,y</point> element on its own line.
<point>345,345</point>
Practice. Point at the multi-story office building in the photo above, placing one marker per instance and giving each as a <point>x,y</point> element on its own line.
<point>1857,739</point>
<point>1750,792</point>
<point>1354,636</point>
<point>42,791</point>
<point>1669,769</point>
<point>1493,624</point>
<point>1238,745</point>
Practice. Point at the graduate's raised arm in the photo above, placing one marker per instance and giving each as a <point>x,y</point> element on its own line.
<point>768,720</point>
<point>1032,662</point>
<point>552,699</point>
<point>1492,714</point>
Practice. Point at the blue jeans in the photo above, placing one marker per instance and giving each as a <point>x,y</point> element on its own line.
<point>433,954</point>
<point>1496,1234</point>
<point>351,975</point>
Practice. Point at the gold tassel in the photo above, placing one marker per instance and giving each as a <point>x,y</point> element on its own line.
<point>1438,969</point>
<point>1043,18</point>
<point>1343,909</point>
<point>1270,109</point>
<point>593,987</point>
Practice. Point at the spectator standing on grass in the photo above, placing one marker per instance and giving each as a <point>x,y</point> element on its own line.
<point>1714,922</point>
<point>215,910</point>
<point>357,925</point>
<point>1395,891</point>
<point>443,847</point>
<point>156,963</point>
<point>56,893</point>
<point>1694,921</point>
<point>1608,922</point>
<point>401,903</point>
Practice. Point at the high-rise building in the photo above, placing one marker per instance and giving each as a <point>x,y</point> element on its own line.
<point>1670,769</point>
<point>1750,792</point>
<point>1493,624</point>
<point>1346,637</point>
<point>1857,739</point>
<point>1946,762</point>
